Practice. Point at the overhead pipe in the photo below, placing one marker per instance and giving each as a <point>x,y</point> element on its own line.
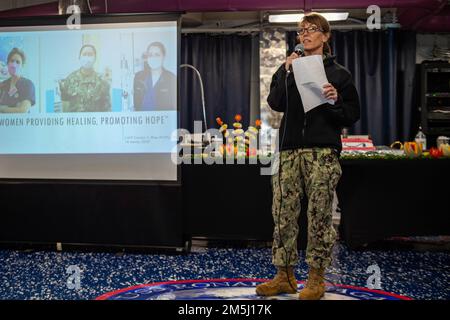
<point>431,14</point>
<point>436,23</point>
<point>417,16</point>
<point>64,5</point>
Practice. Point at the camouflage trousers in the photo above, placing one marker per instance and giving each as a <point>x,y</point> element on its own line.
<point>313,173</point>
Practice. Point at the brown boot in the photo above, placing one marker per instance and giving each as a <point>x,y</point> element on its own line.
<point>315,286</point>
<point>279,284</point>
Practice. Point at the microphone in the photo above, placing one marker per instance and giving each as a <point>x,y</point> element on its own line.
<point>299,49</point>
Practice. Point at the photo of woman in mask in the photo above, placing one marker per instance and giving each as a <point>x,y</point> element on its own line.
<point>84,90</point>
<point>155,86</point>
<point>17,93</point>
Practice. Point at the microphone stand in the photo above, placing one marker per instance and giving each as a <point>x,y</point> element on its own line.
<point>201,89</point>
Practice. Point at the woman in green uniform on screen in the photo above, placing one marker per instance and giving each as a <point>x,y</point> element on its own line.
<point>85,90</point>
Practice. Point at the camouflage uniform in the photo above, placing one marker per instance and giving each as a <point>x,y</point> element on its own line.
<point>313,173</point>
<point>85,93</point>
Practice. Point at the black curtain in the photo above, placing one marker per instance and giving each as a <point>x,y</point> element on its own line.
<point>224,62</point>
<point>383,67</point>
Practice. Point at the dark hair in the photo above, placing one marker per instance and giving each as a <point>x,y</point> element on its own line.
<point>321,22</point>
<point>88,46</point>
<point>159,45</point>
<point>16,51</point>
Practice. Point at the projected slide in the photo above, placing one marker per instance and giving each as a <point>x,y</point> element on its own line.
<point>102,90</point>
<point>99,102</point>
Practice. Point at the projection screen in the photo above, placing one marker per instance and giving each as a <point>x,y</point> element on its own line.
<point>95,103</point>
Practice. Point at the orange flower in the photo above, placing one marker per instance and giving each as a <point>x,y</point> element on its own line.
<point>251,152</point>
<point>238,118</point>
<point>258,123</point>
<point>219,121</point>
<point>412,149</point>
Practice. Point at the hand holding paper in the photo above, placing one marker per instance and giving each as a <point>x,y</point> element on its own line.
<point>330,92</point>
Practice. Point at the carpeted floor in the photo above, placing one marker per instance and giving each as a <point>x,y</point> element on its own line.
<point>43,274</point>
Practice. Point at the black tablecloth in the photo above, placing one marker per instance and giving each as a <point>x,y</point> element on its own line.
<point>377,198</point>
<point>384,198</point>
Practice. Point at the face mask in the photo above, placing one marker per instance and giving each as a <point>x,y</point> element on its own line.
<point>14,69</point>
<point>87,62</point>
<point>154,62</point>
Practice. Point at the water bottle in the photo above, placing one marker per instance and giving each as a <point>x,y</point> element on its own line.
<point>344,133</point>
<point>421,138</point>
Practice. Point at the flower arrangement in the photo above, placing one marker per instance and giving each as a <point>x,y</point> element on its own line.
<point>412,149</point>
<point>238,142</point>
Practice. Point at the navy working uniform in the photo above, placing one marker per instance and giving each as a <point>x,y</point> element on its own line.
<point>309,164</point>
<point>85,93</point>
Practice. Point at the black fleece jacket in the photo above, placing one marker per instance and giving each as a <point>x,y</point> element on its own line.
<point>320,127</point>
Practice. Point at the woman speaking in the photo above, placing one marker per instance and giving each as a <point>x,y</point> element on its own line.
<point>310,145</point>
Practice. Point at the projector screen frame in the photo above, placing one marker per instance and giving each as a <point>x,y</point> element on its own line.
<point>86,19</point>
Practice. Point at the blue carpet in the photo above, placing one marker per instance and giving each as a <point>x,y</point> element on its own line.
<point>42,275</point>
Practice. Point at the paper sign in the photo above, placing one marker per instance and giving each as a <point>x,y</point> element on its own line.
<point>310,77</point>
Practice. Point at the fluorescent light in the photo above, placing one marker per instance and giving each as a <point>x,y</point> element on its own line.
<point>335,16</point>
<point>285,18</point>
<point>296,17</point>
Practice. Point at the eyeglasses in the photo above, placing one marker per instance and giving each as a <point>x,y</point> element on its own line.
<point>309,30</point>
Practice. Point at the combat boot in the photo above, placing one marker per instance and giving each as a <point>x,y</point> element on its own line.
<point>315,286</point>
<point>284,282</point>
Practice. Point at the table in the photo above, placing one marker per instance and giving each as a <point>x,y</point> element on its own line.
<point>385,198</point>
<point>378,199</point>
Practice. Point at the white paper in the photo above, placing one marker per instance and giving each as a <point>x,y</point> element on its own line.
<point>309,74</point>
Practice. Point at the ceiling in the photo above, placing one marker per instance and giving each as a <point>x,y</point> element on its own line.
<point>409,12</point>
<point>258,19</point>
